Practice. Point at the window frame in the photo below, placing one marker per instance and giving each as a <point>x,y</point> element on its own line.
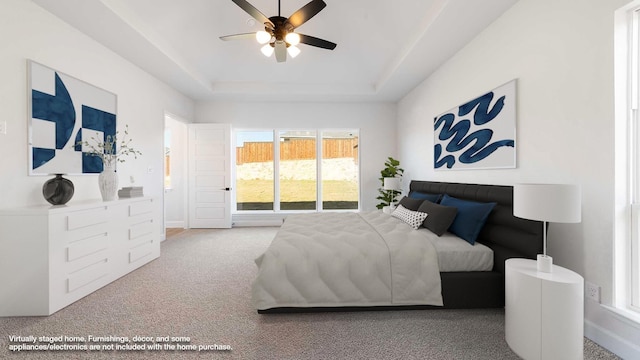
<point>627,162</point>
<point>633,268</point>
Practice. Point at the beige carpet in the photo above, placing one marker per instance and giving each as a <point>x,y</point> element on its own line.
<point>200,288</point>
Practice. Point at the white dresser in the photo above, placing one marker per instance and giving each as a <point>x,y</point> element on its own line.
<point>51,256</point>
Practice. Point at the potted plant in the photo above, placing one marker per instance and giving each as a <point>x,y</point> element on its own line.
<point>392,170</point>
<point>110,152</point>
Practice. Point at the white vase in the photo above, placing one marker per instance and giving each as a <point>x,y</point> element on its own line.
<point>108,182</point>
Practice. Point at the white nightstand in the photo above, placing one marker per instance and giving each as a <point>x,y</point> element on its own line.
<point>543,311</point>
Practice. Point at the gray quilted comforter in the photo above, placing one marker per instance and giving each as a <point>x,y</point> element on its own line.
<point>347,259</point>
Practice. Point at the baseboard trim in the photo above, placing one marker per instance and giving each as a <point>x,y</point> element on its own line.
<point>175,224</point>
<point>611,341</point>
<point>253,219</point>
<point>249,223</point>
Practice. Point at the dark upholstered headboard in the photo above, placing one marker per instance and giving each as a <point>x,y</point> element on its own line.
<point>508,236</point>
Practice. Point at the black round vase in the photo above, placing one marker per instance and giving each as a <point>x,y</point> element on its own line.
<point>58,191</point>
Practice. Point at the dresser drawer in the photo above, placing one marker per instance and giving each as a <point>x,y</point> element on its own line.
<point>66,237</point>
<point>84,259</point>
<point>85,247</point>
<point>87,275</point>
<point>141,252</point>
<point>80,219</point>
<point>141,229</point>
<point>140,207</point>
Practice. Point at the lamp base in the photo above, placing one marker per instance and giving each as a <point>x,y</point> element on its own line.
<point>545,263</point>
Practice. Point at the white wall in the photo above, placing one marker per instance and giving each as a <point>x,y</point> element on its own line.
<point>375,121</point>
<point>561,52</point>
<point>29,32</point>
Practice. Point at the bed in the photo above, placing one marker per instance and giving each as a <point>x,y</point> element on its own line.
<point>374,261</point>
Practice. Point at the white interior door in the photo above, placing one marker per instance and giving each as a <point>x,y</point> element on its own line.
<point>209,175</point>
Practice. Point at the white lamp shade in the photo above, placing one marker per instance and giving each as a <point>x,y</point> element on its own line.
<point>547,202</point>
<point>292,38</point>
<point>263,37</point>
<point>293,51</point>
<point>267,50</point>
<point>391,183</point>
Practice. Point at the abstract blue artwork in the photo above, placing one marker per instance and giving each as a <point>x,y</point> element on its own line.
<point>63,112</point>
<point>479,134</point>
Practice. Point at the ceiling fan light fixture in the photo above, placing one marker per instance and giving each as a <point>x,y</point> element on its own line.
<point>292,38</point>
<point>278,36</point>
<point>267,50</point>
<point>263,37</point>
<point>293,51</point>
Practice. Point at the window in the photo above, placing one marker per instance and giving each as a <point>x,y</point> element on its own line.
<point>627,159</point>
<point>254,170</point>
<point>297,170</point>
<point>340,171</point>
<point>634,164</point>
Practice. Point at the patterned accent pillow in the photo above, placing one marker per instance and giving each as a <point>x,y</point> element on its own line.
<point>413,218</point>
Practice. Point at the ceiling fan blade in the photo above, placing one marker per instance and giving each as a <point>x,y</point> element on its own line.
<point>305,13</point>
<point>281,51</point>
<point>238,36</point>
<point>251,10</point>
<point>314,41</point>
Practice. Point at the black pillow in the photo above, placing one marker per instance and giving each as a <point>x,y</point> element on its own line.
<point>439,217</point>
<point>411,204</point>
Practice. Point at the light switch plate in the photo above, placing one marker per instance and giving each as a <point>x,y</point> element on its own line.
<point>3,127</point>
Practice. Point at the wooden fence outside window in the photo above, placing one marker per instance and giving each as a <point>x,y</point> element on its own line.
<point>297,149</point>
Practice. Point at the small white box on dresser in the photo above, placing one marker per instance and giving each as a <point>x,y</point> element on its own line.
<point>52,256</point>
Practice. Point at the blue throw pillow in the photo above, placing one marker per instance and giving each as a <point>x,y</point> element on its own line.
<point>470,218</point>
<point>434,198</point>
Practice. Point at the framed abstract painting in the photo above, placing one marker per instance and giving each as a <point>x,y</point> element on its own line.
<point>63,112</point>
<point>479,134</point>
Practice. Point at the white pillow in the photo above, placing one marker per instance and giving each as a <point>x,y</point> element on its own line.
<point>413,218</point>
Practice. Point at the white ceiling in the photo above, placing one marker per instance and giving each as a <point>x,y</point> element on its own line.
<point>385,48</point>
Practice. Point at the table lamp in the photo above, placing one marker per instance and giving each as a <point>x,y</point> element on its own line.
<point>547,203</point>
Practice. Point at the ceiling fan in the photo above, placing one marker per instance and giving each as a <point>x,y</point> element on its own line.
<point>278,35</point>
